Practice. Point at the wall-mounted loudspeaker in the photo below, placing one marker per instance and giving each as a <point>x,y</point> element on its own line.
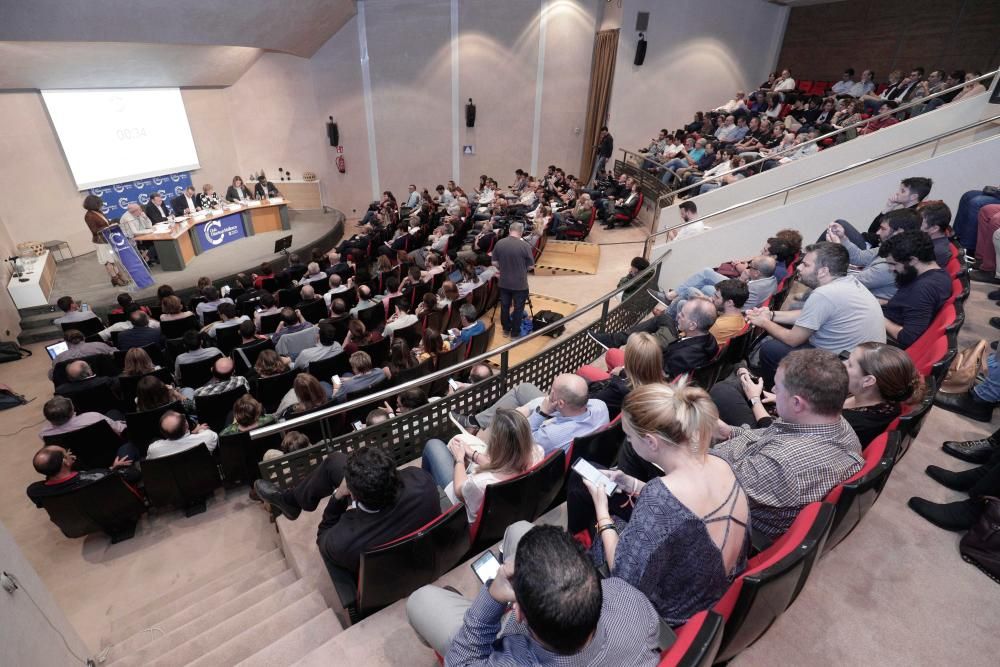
<point>332,132</point>
<point>640,51</point>
<point>642,22</point>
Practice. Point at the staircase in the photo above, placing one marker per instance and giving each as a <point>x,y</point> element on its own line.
<point>36,324</point>
<point>252,611</point>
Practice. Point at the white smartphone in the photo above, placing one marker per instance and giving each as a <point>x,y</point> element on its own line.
<point>453,384</point>
<point>486,566</point>
<point>358,426</point>
<point>335,379</point>
<point>592,474</point>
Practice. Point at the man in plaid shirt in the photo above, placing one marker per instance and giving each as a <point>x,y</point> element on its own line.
<point>223,379</point>
<point>806,452</point>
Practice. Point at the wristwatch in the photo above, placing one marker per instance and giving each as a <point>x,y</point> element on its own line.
<point>755,400</point>
<point>538,409</point>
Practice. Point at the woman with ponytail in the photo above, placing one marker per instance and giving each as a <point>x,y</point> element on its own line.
<point>681,537</point>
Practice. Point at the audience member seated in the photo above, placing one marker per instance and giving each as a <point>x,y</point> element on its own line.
<point>923,287</point>
<point>294,334</point>
<point>268,306</point>
<point>681,536</point>
<point>57,464</point>
<point>373,503</point>
<point>73,312</point>
<point>211,302</point>
<point>138,363</point>
<point>78,347</point>
<point>401,319</point>
<point>978,402</point>
<point>124,325</point>
<point>269,363</point>
<point>565,612</point>
<point>228,317</point>
<point>177,438</point>
<point>152,393</point>
<point>312,273</point>
<point>193,351</point>
<point>81,379</point>
<point>557,417</point>
<point>470,327</point>
<point>307,297</point>
<point>365,300</point>
<point>431,346</point>
<point>358,336</point>
<point>362,376</point>
<point>967,216</point>
<point>881,378</point>
<point>467,465</point>
<point>173,309</point>
<point>401,358</point>
<point>306,394</point>
<point>248,414</point>
<point>223,379</point>
<point>876,273</point>
<point>807,451</point>
<point>639,363</point>
<point>295,268</point>
<point>839,314</point>
<point>62,418</point>
<point>140,333</point>
<point>935,221</point>
<point>326,348</point>
<point>758,274</point>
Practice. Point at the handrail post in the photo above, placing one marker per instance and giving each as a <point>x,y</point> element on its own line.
<point>504,363</point>
<point>604,313</point>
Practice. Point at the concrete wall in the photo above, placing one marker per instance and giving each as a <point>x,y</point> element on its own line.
<point>699,52</point>
<point>26,637</point>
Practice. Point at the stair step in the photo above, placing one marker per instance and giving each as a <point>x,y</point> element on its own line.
<point>296,643</point>
<point>187,595</point>
<point>191,622</point>
<point>248,632</point>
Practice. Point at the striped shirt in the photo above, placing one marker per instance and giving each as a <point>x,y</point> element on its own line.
<point>626,634</point>
<point>786,466</point>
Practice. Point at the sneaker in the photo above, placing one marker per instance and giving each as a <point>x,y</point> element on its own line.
<point>597,340</point>
<point>275,499</point>
<point>462,420</point>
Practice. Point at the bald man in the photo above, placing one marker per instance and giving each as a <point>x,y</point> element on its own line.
<point>81,379</point>
<point>557,417</point>
<point>177,438</point>
<point>56,463</point>
<point>223,379</point>
<point>135,221</point>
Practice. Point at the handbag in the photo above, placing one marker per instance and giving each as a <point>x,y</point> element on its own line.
<point>981,545</point>
<point>11,351</point>
<point>964,369</point>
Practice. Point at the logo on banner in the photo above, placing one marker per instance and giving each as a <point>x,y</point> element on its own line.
<point>143,198</point>
<point>105,209</point>
<point>117,240</point>
<point>118,187</point>
<point>219,232</point>
<point>178,190</point>
<point>123,203</point>
<point>138,185</point>
<point>157,180</point>
<point>175,177</point>
<point>96,191</point>
<point>215,233</point>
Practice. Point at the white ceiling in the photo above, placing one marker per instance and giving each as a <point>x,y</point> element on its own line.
<point>133,43</point>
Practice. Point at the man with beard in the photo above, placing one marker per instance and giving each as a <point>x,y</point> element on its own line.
<point>923,287</point>
<point>839,314</point>
<point>876,274</point>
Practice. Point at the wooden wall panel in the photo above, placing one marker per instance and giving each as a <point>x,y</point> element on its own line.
<point>821,40</point>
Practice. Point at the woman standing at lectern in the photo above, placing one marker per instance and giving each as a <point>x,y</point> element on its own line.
<point>96,222</point>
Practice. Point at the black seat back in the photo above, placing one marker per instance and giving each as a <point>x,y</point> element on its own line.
<point>155,353</point>
<point>227,338</point>
<point>144,427</point>
<point>601,446</point>
<point>392,571</point>
<point>100,399</point>
<point>858,495</point>
<point>215,409</point>
<point>128,385</point>
<point>269,323</point>
<point>94,445</point>
<point>183,480</point>
<point>314,311</point>
<point>245,356</point>
<point>372,317</point>
<point>108,504</point>
<point>410,334</point>
<point>87,327</point>
<point>524,497</point>
<point>240,456</point>
<point>378,351</point>
<point>324,369</point>
<point>480,342</point>
<point>288,297</point>
<point>270,390</point>
<point>176,328</point>
<point>196,373</point>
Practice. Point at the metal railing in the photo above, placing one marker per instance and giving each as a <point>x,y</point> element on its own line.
<point>651,239</point>
<point>791,149</point>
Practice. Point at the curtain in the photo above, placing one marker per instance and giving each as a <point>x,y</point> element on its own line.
<point>602,75</point>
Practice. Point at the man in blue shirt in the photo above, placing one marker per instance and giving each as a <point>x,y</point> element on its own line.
<point>563,612</point>
<point>470,326</point>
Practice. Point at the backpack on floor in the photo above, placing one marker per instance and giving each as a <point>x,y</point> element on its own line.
<point>11,351</point>
<point>9,399</point>
<point>546,317</point>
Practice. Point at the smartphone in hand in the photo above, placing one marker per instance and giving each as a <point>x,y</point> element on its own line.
<point>595,476</point>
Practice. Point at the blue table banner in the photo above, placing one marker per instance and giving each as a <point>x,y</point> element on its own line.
<point>220,231</point>
<point>117,197</point>
<point>128,256</point>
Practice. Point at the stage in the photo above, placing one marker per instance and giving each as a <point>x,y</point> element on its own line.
<point>87,281</point>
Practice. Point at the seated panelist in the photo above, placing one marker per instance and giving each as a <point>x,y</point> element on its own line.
<point>208,197</point>
<point>237,191</point>
<point>157,209</point>
<point>185,204</point>
<point>265,188</point>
